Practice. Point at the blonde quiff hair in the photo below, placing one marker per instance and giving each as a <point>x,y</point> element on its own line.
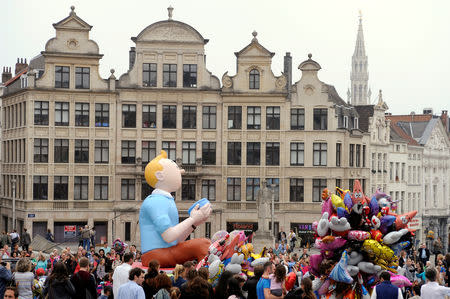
<point>152,167</point>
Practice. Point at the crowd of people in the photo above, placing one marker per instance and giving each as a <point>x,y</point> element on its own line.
<point>101,272</point>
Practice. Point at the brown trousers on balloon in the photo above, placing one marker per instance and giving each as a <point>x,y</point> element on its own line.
<point>195,249</point>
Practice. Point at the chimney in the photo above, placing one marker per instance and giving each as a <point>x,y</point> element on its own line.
<point>132,57</point>
<point>288,73</point>
<point>20,65</point>
<point>6,74</point>
<point>427,110</point>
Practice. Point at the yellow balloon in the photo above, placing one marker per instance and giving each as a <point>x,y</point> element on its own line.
<point>337,202</point>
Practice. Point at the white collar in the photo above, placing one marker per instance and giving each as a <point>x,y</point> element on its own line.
<point>162,192</point>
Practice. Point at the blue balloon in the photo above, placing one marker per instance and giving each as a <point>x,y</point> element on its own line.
<point>339,272</point>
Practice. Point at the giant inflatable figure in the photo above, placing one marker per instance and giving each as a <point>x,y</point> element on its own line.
<point>163,238</point>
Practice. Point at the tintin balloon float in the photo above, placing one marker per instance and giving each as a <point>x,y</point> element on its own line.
<point>358,237</point>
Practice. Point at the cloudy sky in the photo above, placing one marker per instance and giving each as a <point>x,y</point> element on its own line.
<point>408,42</point>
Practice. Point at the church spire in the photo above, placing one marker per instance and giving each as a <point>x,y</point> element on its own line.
<point>359,92</point>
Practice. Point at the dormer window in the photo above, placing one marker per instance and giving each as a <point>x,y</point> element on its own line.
<point>356,123</point>
<point>254,79</point>
<point>345,121</point>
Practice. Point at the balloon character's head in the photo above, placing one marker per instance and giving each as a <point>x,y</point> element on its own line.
<point>163,173</point>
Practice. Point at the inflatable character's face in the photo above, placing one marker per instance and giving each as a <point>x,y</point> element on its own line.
<point>163,173</point>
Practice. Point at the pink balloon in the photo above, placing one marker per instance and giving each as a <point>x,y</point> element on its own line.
<point>400,281</point>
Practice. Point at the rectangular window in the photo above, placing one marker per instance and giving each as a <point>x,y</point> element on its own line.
<point>128,152</point>
<point>61,113</point>
<point>234,189</point>
<point>234,117</point>
<point>128,189</point>
<point>188,189</point>
<point>275,188</point>
<point>82,114</point>
<point>127,231</point>
<point>40,150</point>
<point>253,118</point>
<point>297,153</point>
<point>61,188</point>
<point>272,153</point>
<point>189,153</point>
<point>81,187</point>
<point>234,153</point>
<point>61,150</point>
<point>252,189</point>
<point>318,186</point>
<point>81,151</point>
<point>273,118</point>
<point>149,74</point>
<point>101,188</point>
<point>209,117</point>
<point>350,184</point>
<point>62,76</point>
<point>169,75</point>
<point>339,183</point>
<point>41,113</point>
<point>209,189</point>
<point>148,151</point>
<point>364,157</point>
<point>169,116</point>
<point>208,230</point>
<point>102,115</point>
<point>351,155</point>
<point>40,188</point>
<point>338,154</point>
<point>189,117</point>
<point>128,116</point>
<point>82,77</point>
<point>146,189</point>
<point>208,153</point>
<point>296,190</point>
<point>171,149</point>
<point>189,75</point>
<point>253,153</point>
<point>358,155</point>
<point>320,154</point>
<point>298,119</point>
<point>149,116</point>
<point>320,118</point>
<point>101,151</point>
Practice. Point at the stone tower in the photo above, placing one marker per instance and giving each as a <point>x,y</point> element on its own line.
<point>359,92</point>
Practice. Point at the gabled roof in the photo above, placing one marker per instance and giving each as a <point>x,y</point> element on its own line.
<point>410,127</point>
<point>73,22</point>
<point>10,81</point>
<point>365,112</point>
<point>254,43</point>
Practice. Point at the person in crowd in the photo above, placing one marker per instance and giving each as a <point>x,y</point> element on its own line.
<point>234,290</point>
<point>11,293</point>
<point>5,276</point>
<point>410,270</point>
<point>49,236</point>
<point>133,288</point>
<point>121,273</point>
<point>414,293</point>
<point>25,240</point>
<point>385,289</point>
<point>163,284</point>
<point>149,284</point>
<point>175,293</point>
<point>116,262</point>
<point>133,250</point>
<point>250,284</point>
<point>107,293</point>
<point>292,237</point>
<point>197,288</point>
<point>432,290</point>
<point>438,248</point>
<point>101,269</point>
<point>282,248</point>
<point>86,237</point>
<point>305,254</point>
<point>41,262</point>
<point>38,284</point>
<point>80,236</point>
<point>84,281</point>
<point>58,284</point>
<point>15,238</point>
<point>424,253</point>
<point>402,258</point>
<point>222,285</point>
<point>92,236</point>
<point>204,273</point>
<point>263,286</point>
<point>23,278</point>
<point>306,287</point>
<point>108,262</point>
<point>277,279</point>
<point>177,279</point>
<point>105,247</point>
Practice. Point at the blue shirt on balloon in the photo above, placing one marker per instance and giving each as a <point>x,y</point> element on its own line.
<point>158,213</point>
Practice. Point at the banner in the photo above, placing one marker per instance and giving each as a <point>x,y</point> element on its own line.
<point>70,231</point>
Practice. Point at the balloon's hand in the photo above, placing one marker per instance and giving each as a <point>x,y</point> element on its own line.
<point>200,215</point>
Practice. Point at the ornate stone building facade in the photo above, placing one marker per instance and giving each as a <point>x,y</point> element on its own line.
<point>76,144</point>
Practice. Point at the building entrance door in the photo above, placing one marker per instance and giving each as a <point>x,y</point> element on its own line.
<point>40,228</point>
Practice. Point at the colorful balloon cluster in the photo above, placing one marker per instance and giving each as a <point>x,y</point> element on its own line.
<point>231,252</point>
<point>358,237</point>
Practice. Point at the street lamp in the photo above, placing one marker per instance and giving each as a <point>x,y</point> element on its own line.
<point>13,182</point>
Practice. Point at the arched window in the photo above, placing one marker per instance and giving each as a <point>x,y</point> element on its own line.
<point>254,79</point>
<point>360,92</point>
